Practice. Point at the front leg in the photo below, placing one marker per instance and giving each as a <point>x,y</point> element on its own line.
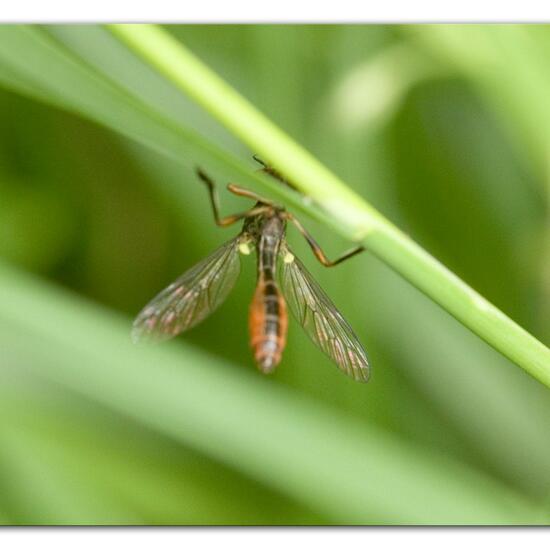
<point>227,220</point>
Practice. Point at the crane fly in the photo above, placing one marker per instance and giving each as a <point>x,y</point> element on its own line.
<point>203,288</point>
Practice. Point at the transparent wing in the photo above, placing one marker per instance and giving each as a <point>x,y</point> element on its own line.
<point>191,298</point>
<point>319,317</point>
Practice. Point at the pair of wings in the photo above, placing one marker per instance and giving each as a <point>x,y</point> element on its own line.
<point>199,291</point>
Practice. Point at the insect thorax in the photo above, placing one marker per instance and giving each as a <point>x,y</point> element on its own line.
<point>270,225</point>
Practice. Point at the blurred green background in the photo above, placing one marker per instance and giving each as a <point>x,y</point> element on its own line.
<point>443,128</point>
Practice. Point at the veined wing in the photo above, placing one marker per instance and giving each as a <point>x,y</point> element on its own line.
<point>191,297</point>
<point>319,317</point>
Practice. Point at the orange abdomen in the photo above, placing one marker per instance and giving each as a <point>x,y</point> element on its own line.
<point>268,325</point>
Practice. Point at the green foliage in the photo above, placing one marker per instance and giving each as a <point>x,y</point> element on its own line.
<point>94,430</point>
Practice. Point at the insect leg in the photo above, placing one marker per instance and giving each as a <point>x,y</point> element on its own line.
<point>242,192</point>
<point>227,220</point>
<point>260,161</point>
<point>273,172</point>
<point>319,254</point>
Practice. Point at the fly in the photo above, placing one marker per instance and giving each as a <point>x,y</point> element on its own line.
<point>282,279</point>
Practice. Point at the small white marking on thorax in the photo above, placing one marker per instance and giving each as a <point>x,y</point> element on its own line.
<point>244,248</point>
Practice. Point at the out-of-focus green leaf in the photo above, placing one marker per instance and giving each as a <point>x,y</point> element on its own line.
<point>89,467</point>
<point>351,473</point>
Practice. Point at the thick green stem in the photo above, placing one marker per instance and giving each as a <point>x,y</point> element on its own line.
<point>346,211</point>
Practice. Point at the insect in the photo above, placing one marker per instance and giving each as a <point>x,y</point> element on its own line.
<point>282,279</point>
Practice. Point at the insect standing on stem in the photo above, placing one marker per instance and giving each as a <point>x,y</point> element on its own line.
<point>200,290</point>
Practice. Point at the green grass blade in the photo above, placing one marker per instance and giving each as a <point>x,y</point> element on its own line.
<point>346,211</point>
<point>93,467</point>
<point>350,472</point>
